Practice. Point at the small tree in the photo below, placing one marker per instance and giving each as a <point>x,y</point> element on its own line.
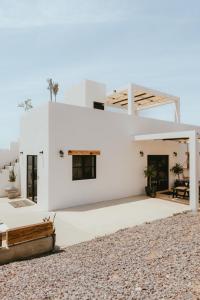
<point>55,89</point>
<point>177,170</point>
<point>150,172</point>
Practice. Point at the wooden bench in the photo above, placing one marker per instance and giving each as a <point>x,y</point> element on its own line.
<point>29,233</point>
<point>27,241</point>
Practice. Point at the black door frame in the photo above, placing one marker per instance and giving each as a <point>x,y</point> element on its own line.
<point>33,192</point>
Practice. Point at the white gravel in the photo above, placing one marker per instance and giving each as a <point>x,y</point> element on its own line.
<point>158,260</point>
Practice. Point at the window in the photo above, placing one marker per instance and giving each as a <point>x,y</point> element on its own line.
<point>98,105</point>
<point>83,167</point>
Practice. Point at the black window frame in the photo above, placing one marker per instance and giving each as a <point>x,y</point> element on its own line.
<point>98,105</point>
<point>83,167</point>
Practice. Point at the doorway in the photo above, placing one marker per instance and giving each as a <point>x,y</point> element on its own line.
<point>32,177</point>
<point>161,165</point>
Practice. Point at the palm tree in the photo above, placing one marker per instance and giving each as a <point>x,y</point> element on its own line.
<point>55,89</point>
<point>50,87</point>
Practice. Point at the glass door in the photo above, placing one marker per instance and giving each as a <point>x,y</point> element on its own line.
<point>32,177</point>
<point>161,165</point>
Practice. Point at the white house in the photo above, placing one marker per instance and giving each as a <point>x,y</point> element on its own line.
<point>95,146</point>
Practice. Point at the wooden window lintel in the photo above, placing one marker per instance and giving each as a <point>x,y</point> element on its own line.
<point>84,152</point>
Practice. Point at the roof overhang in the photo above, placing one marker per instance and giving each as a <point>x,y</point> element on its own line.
<point>167,136</point>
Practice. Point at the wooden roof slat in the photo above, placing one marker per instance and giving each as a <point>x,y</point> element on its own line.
<point>139,95</point>
<point>120,101</point>
<point>145,98</point>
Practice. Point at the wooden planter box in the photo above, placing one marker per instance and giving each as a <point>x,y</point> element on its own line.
<point>27,241</point>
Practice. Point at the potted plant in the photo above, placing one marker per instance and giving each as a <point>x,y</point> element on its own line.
<point>150,173</point>
<point>12,190</point>
<point>12,176</point>
<point>177,169</point>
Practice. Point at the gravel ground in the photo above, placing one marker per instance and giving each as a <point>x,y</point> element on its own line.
<point>158,260</point>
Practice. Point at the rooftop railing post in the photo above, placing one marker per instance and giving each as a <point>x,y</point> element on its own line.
<point>131,100</point>
<point>177,111</point>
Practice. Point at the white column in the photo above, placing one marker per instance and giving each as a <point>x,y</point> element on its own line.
<point>131,104</point>
<point>194,184</point>
<point>177,111</point>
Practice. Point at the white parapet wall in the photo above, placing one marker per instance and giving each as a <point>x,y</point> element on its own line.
<point>85,93</point>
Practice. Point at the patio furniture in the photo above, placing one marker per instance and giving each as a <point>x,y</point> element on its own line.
<point>181,182</point>
<point>180,191</point>
<point>187,194</point>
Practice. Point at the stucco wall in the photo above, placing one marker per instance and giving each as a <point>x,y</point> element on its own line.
<point>9,155</point>
<point>119,167</point>
<point>34,137</point>
<point>85,93</point>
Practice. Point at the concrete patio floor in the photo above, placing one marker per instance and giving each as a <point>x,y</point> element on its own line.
<point>83,223</point>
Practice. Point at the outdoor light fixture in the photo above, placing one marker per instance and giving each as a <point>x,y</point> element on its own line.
<point>61,153</point>
<point>175,154</point>
<point>21,152</point>
<point>41,152</point>
<point>141,153</point>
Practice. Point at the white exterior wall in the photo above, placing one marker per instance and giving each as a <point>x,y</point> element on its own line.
<point>85,93</point>
<point>4,179</point>
<point>94,91</point>
<point>9,155</point>
<point>119,167</point>
<point>34,137</point>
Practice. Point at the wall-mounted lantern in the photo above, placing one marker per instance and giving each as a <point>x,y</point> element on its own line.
<point>175,154</point>
<point>21,152</point>
<point>61,153</point>
<point>41,152</point>
<point>141,153</point>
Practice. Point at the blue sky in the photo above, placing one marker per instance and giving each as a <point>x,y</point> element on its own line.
<point>152,43</point>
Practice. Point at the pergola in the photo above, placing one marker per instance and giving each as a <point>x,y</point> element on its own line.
<point>134,98</point>
<point>192,138</point>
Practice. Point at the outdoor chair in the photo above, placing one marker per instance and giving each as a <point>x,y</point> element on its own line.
<point>180,192</point>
